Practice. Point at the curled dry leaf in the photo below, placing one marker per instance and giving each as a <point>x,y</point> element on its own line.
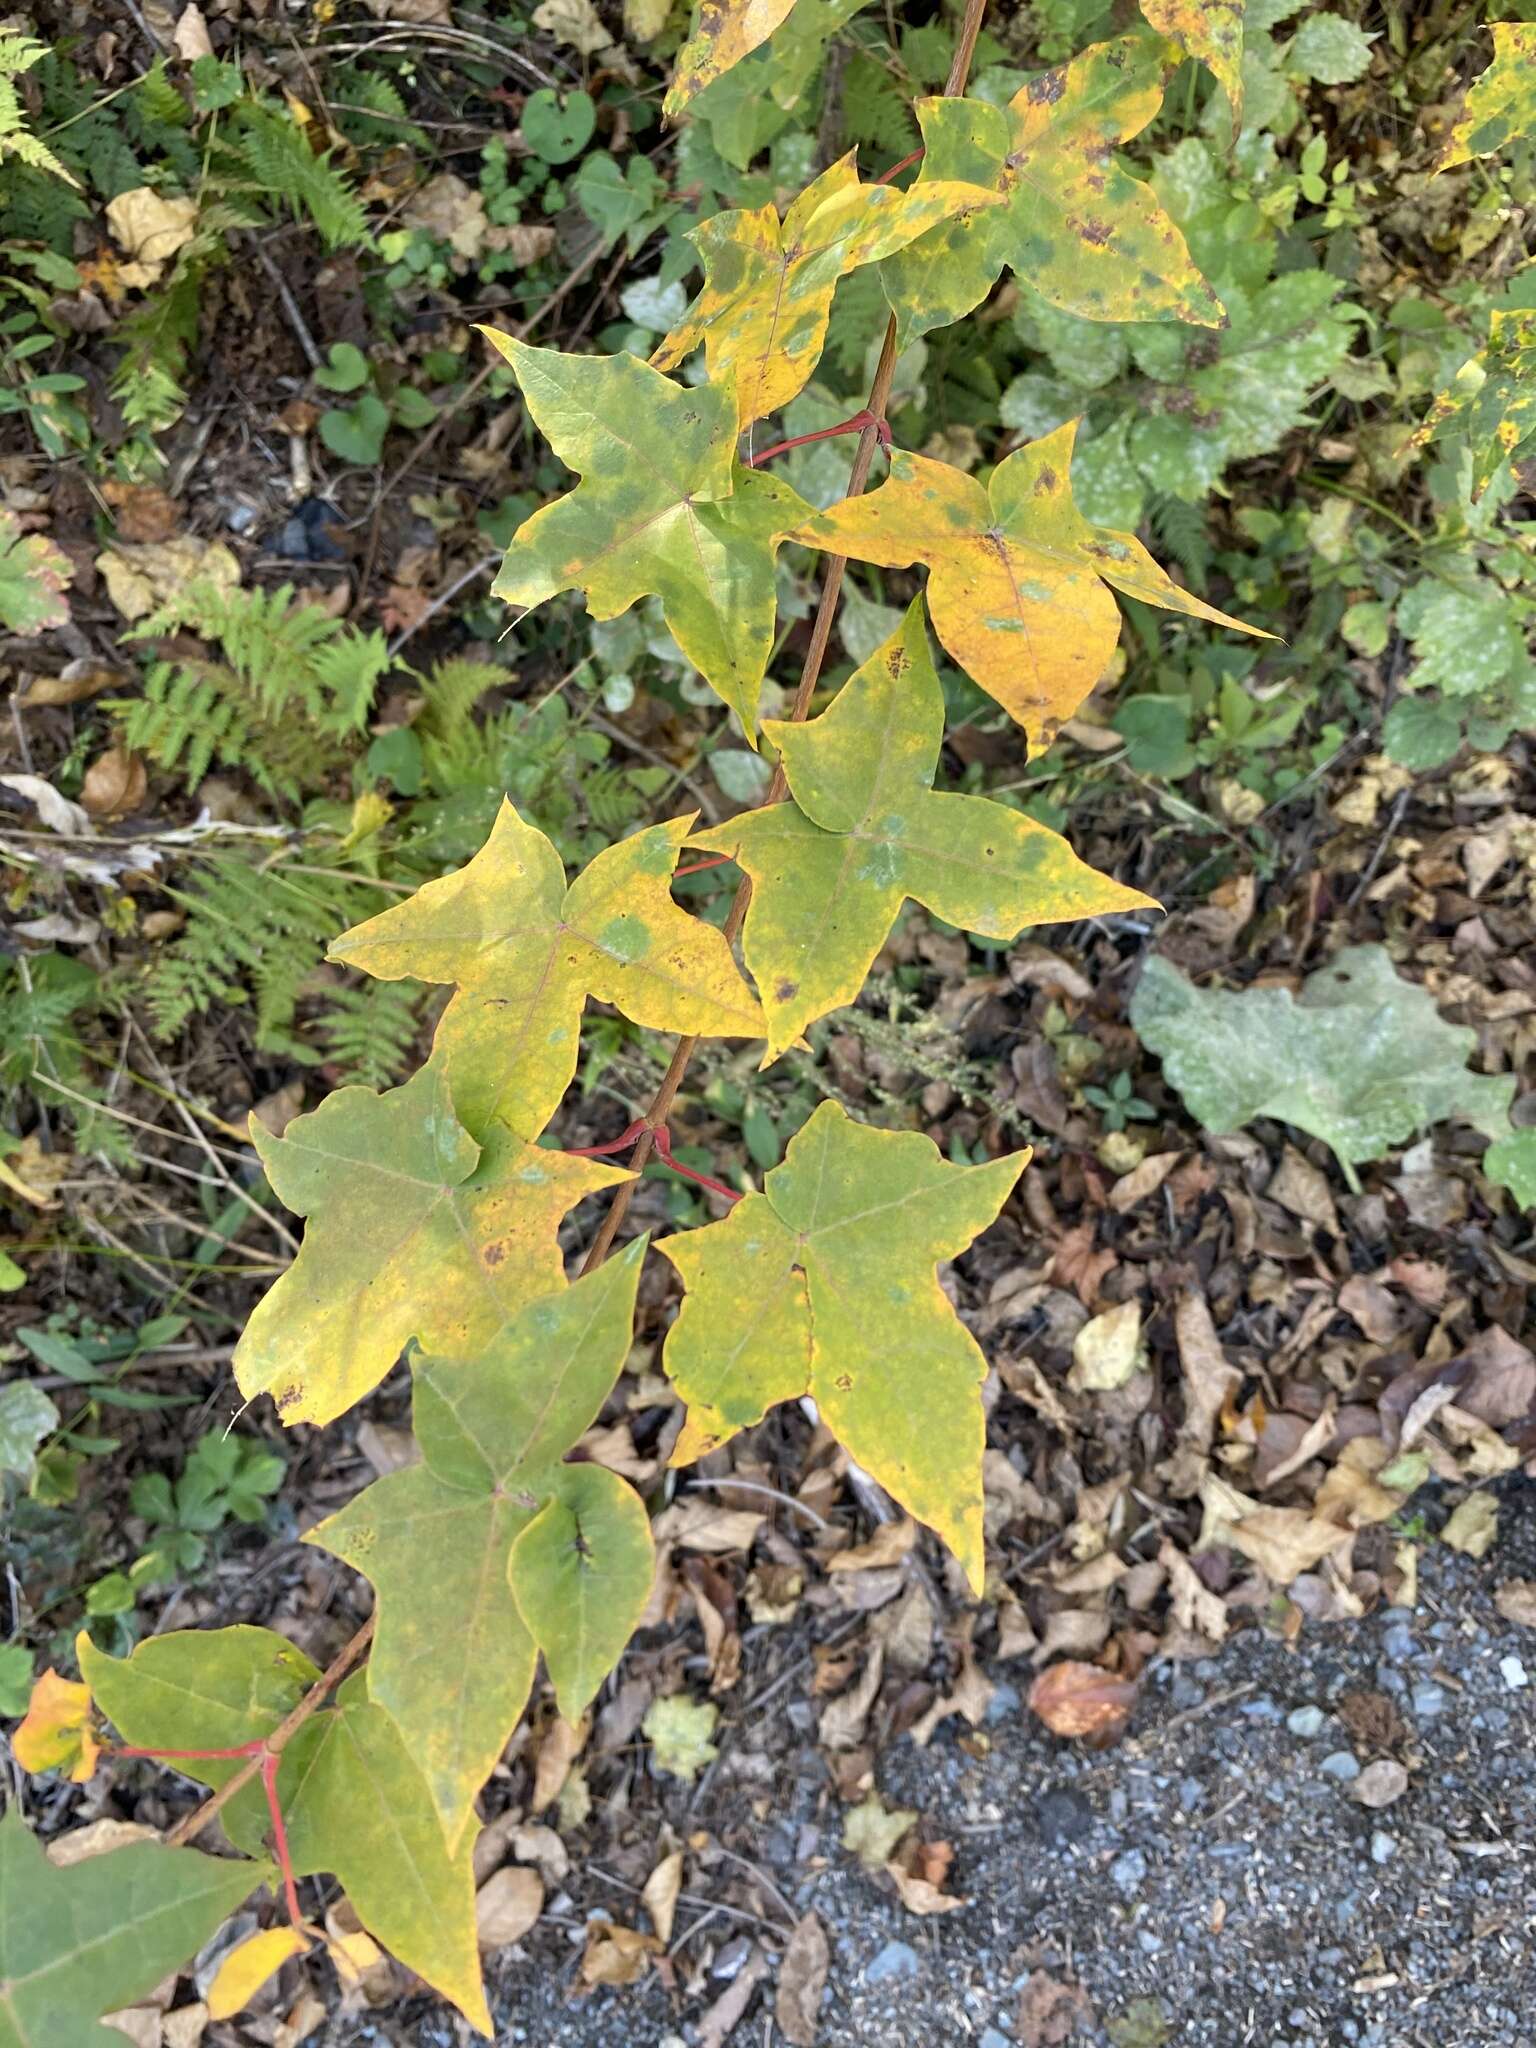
<point>150,227</point>
<point>616,1955</point>
<point>507,1906</point>
<point>1473,1526</point>
<point>115,784</point>
<point>1083,1701</point>
<point>1106,1351</point>
<point>802,1983</point>
<point>661,1894</point>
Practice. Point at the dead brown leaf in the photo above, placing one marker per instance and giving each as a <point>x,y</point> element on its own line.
<point>660,1895</point>
<point>1134,1187</point>
<point>1082,1701</point>
<point>507,1906</point>
<point>143,512</point>
<point>560,1748</point>
<point>1077,1265</point>
<point>616,1955</point>
<point>1051,2011</point>
<point>1516,1601</point>
<point>889,1545</point>
<point>1208,1379</point>
<point>802,1983</point>
<point>115,784</point>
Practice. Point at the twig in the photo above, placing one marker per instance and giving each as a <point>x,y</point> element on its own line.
<point>290,305</point>
<point>444,597</point>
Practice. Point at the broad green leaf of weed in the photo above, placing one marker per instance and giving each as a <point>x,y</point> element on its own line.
<point>1491,400</point>
<point>1210,31</point>
<point>866,830</point>
<point>492,1548</point>
<point>678,1730</point>
<point>1018,580</point>
<point>662,508</point>
<point>825,1284</point>
<point>33,577</point>
<point>414,1230</point>
<point>1511,1163</point>
<point>525,952</point>
<point>100,1934</point>
<point>1361,1058</point>
<point>354,1802</point>
<point>1075,224</point>
<point>1501,105</point>
<point>768,284</point>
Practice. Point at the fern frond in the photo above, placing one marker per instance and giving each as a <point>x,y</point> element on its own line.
<point>370,1032</point>
<point>278,163</point>
<point>1179,530</point>
<point>19,54</point>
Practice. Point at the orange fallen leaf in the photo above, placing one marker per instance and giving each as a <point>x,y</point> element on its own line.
<point>1082,1700</point>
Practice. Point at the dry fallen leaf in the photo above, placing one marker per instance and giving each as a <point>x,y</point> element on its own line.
<point>1473,1526</point>
<point>144,512</point>
<point>1082,1700</point>
<point>1106,1350</point>
<point>141,579</point>
<point>802,1983</point>
<point>1516,1601</point>
<point>76,681</point>
<point>248,1966</point>
<point>889,1545</point>
<point>919,1875</point>
<point>871,1832</point>
<point>149,228</point>
<point>560,1748</point>
<point>1050,2012</point>
<point>660,1894</point>
<point>616,1955</point>
<point>507,1905</point>
<point>115,784</point>
<point>98,1838</point>
<point>1208,1378</point>
<point>189,38</point>
<point>575,22</point>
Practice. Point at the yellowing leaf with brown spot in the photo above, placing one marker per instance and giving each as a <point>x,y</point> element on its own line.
<point>1074,223</point>
<point>1018,579</point>
<point>724,32</point>
<point>866,830</point>
<point>1212,32</point>
<point>56,1734</point>
<point>248,1966</point>
<point>663,508</point>
<point>1501,105</point>
<point>825,1284</point>
<point>414,1231</point>
<point>492,1548</point>
<point>525,952</point>
<point>768,285</point>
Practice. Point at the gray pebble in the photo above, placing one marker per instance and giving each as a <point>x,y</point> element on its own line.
<point>1305,1721</point>
<point>1513,1673</point>
<point>1128,1873</point>
<point>1005,1700</point>
<point>896,1959</point>
<point>1063,1816</point>
<point>1428,1700</point>
<point>993,2039</point>
<point>1383,1846</point>
<point>1341,1765</point>
<point>1398,1642</point>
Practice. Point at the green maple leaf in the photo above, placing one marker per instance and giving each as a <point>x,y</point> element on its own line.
<point>33,577</point>
<point>1210,31</point>
<point>100,1934</point>
<point>1017,586</point>
<point>525,952</point>
<point>1492,398</point>
<point>866,830</point>
<point>663,508</point>
<point>1086,234</point>
<point>354,1803</point>
<point>762,313</point>
<point>1361,1058</point>
<point>415,1230</point>
<point>1501,104</point>
<point>492,1548</point>
<point>825,1284</point>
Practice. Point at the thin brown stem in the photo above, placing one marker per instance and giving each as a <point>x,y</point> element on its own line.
<point>279,1739</point>
<point>810,674</point>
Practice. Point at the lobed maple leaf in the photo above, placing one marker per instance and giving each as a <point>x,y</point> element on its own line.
<point>1074,224</point>
<point>353,1801</point>
<point>866,830</point>
<point>1501,103</point>
<point>663,508</point>
<point>825,1284</point>
<point>1211,31</point>
<point>525,952</point>
<point>724,31</point>
<point>414,1230</point>
<point>100,1934</point>
<point>762,312</point>
<point>1017,588</point>
<point>492,1548</point>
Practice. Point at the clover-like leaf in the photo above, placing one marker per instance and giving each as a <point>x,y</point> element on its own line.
<point>762,313</point>
<point>1492,398</point>
<point>1361,1058</point>
<point>1501,104</point>
<point>663,508</point>
<point>100,1934</point>
<point>525,952</point>
<point>866,830</point>
<point>1210,31</point>
<point>825,1284</point>
<point>492,1548</point>
<point>1075,224</point>
<point>1017,585</point>
<point>724,31</point>
<point>354,1803</point>
<point>33,577</point>
<point>414,1231</point>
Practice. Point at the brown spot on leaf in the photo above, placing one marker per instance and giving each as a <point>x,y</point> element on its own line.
<point>785,991</point>
<point>1047,89</point>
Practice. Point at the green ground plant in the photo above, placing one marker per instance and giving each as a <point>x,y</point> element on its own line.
<point>1171,325</point>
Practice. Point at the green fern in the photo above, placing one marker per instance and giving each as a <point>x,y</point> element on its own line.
<point>43,1002</point>
<point>875,110</point>
<point>19,54</point>
<point>370,1032</point>
<point>273,161</point>
<point>1179,530</point>
<point>253,935</point>
<point>292,686</point>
